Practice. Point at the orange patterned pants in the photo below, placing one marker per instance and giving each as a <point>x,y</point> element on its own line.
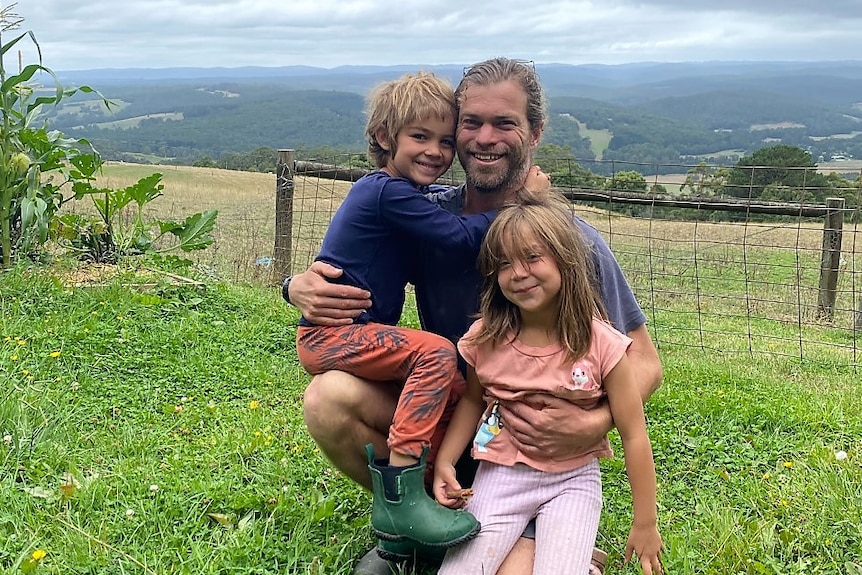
<point>424,364</point>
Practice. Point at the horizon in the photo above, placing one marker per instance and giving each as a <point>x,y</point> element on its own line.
<point>852,61</point>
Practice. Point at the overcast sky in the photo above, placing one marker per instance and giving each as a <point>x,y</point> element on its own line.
<point>85,34</point>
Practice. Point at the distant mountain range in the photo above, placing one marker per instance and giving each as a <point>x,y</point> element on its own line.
<point>644,112</point>
<point>623,83</point>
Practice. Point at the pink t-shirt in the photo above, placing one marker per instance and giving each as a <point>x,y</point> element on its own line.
<point>513,370</point>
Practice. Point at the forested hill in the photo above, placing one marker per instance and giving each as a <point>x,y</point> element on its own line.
<point>647,112</point>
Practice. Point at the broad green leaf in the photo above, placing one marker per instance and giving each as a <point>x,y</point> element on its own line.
<point>194,233</point>
<point>146,189</point>
<point>87,164</point>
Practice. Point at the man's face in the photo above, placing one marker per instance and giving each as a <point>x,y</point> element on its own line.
<point>493,138</point>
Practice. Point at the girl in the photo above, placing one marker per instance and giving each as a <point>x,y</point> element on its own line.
<point>542,332</point>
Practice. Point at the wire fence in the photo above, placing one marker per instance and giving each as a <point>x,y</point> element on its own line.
<point>731,275</point>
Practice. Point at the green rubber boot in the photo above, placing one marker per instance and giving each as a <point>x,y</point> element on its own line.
<point>414,515</point>
<point>407,550</point>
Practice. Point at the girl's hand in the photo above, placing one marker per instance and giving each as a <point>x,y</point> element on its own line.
<point>645,542</point>
<point>537,181</point>
<point>444,481</point>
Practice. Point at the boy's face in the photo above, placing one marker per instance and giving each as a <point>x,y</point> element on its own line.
<point>423,150</point>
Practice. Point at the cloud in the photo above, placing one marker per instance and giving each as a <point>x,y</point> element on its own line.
<point>329,33</point>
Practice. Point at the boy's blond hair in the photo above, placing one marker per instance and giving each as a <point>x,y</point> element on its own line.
<point>398,103</point>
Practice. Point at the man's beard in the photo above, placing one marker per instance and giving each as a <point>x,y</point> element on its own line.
<point>493,180</point>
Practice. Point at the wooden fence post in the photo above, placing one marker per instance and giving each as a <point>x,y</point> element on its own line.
<point>830,257</point>
<point>284,185</point>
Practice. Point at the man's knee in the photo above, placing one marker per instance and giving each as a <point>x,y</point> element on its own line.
<point>321,404</point>
<point>313,397</point>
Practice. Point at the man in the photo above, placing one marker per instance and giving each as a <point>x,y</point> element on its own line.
<point>501,116</point>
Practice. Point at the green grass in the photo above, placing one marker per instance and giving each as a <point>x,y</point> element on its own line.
<point>196,393</point>
<point>111,390</point>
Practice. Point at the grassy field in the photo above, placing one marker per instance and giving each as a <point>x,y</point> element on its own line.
<point>736,287</point>
<point>599,139</point>
<point>136,121</point>
<point>160,431</point>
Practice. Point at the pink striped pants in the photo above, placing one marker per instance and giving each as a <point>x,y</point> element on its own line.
<point>566,506</point>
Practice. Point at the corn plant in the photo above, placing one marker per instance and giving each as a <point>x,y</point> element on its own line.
<point>35,163</point>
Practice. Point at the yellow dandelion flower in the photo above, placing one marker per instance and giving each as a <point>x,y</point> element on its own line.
<point>20,341</point>
<point>7,339</point>
<point>14,357</point>
<point>254,404</point>
<point>38,554</point>
<point>54,354</point>
<point>784,503</point>
<point>25,371</point>
<point>766,476</point>
<point>788,464</point>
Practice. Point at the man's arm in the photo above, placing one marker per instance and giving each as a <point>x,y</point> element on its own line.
<point>324,303</point>
<point>543,425</point>
<point>645,362</point>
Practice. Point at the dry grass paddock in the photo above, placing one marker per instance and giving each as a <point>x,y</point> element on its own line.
<point>735,287</point>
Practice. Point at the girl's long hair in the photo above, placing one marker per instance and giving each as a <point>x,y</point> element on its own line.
<point>546,219</point>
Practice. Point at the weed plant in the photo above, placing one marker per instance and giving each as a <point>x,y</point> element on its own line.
<point>160,431</point>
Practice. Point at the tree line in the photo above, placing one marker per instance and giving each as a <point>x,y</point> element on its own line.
<point>225,119</point>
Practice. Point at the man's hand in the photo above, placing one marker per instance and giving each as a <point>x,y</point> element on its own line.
<point>543,426</point>
<point>323,302</point>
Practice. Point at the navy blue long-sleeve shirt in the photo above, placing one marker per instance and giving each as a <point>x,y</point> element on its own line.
<point>374,236</point>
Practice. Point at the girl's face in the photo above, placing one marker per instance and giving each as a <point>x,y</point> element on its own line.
<point>423,150</point>
<point>530,278</point>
